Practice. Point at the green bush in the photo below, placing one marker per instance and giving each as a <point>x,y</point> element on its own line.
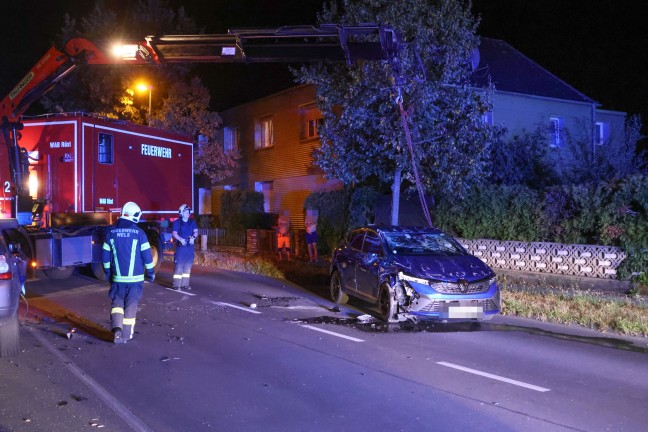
<point>495,212</point>
<point>207,221</point>
<point>333,217</point>
<point>613,213</point>
<point>241,210</point>
<point>362,207</point>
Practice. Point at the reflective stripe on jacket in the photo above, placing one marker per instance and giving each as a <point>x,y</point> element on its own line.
<point>127,253</point>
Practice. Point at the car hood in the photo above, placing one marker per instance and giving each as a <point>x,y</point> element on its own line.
<point>443,268</point>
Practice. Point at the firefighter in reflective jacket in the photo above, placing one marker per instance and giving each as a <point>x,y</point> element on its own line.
<point>126,259</point>
<point>184,232</point>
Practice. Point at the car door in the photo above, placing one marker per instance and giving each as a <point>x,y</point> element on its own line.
<point>347,259</point>
<point>368,266</point>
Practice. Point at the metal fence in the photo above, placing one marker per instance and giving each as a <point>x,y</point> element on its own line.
<point>220,237</point>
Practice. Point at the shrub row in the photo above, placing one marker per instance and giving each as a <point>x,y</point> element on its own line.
<point>612,213</point>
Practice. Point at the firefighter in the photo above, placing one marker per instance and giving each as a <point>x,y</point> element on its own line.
<point>126,259</point>
<point>184,232</point>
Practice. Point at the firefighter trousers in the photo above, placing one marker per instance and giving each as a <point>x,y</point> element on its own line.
<point>124,299</point>
<point>183,259</point>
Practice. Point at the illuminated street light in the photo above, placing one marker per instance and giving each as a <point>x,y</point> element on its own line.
<point>144,87</point>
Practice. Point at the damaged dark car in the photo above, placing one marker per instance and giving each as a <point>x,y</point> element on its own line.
<point>413,273</point>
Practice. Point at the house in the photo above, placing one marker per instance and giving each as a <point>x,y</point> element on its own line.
<point>277,134</point>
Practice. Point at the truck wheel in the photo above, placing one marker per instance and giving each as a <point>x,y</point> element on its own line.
<point>157,250</point>
<point>59,272</point>
<point>9,336</point>
<point>98,271</point>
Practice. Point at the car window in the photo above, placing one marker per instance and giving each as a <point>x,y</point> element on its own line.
<point>423,244</point>
<point>372,244</point>
<point>356,240</point>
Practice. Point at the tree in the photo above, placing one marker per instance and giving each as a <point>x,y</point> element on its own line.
<point>181,102</point>
<point>185,112</point>
<point>362,133</point>
<point>524,159</point>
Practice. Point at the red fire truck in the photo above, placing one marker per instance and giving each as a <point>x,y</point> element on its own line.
<point>83,168</point>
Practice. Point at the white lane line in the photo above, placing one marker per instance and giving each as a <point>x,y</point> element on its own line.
<point>180,291</point>
<point>237,307</point>
<point>120,409</point>
<point>333,333</point>
<point>495,377</point>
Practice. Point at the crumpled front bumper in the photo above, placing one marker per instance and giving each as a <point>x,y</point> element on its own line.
<point>442,306</point>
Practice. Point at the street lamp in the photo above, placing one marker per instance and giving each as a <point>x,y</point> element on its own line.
<point>144,87</point>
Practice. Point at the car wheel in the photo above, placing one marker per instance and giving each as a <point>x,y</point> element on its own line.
<point>387,304</point>
<point>9,336</point>
<point>337,295</point>
<point>59,272</point>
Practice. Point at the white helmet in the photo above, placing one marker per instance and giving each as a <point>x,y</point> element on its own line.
<point>131,211</point>
<point>184,207</point>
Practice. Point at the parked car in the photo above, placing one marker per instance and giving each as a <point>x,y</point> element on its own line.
<point>13,268</point>
<point>413,272</point>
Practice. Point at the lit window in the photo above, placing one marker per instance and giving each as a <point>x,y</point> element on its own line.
<point>231,140</point>
<point>266,189</point>
<point>311,120</point>
<point>105,150</point>
<point>263,133</point>
<point>556,131</point>
<point>602,133</point>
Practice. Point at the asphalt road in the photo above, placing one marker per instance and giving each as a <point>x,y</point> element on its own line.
<point>206,360</point>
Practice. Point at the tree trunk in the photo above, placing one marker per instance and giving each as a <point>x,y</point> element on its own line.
<point>395,197</point>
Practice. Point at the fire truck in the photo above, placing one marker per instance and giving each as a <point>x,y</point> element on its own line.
<point>82,169</point>
<point>64,178</point>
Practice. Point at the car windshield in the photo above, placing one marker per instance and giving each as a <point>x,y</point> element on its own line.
<point>439,244</point>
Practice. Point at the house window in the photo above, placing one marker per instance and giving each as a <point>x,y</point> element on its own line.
<point>487,118</point>
<point>263,133</point>
<point>105,150</point>
<point>204,201</point>
<point>231,140</point>
<point>311,120</point>
<point>556,131</point>
<point>231,187</point>
<point>266,189</point>
<point>602,133</point>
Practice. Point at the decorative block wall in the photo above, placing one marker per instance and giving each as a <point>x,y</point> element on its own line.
<point>557,258</point>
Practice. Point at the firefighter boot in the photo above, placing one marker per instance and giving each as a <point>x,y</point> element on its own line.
<point>118,337</point>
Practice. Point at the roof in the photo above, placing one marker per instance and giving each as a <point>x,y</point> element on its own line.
<point>512,71</point>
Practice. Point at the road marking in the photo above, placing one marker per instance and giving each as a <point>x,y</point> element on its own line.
<point>237,307</point>
<point>120,409</point>
<point>495,377</point>
<point>180,291</point>
<point>333,333</point>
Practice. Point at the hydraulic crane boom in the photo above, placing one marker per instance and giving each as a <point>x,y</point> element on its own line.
<point>328,42</point>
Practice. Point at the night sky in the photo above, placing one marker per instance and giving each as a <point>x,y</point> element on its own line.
<point>597,46</point>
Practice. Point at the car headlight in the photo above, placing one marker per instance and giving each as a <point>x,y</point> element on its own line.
<point>408,278</point>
